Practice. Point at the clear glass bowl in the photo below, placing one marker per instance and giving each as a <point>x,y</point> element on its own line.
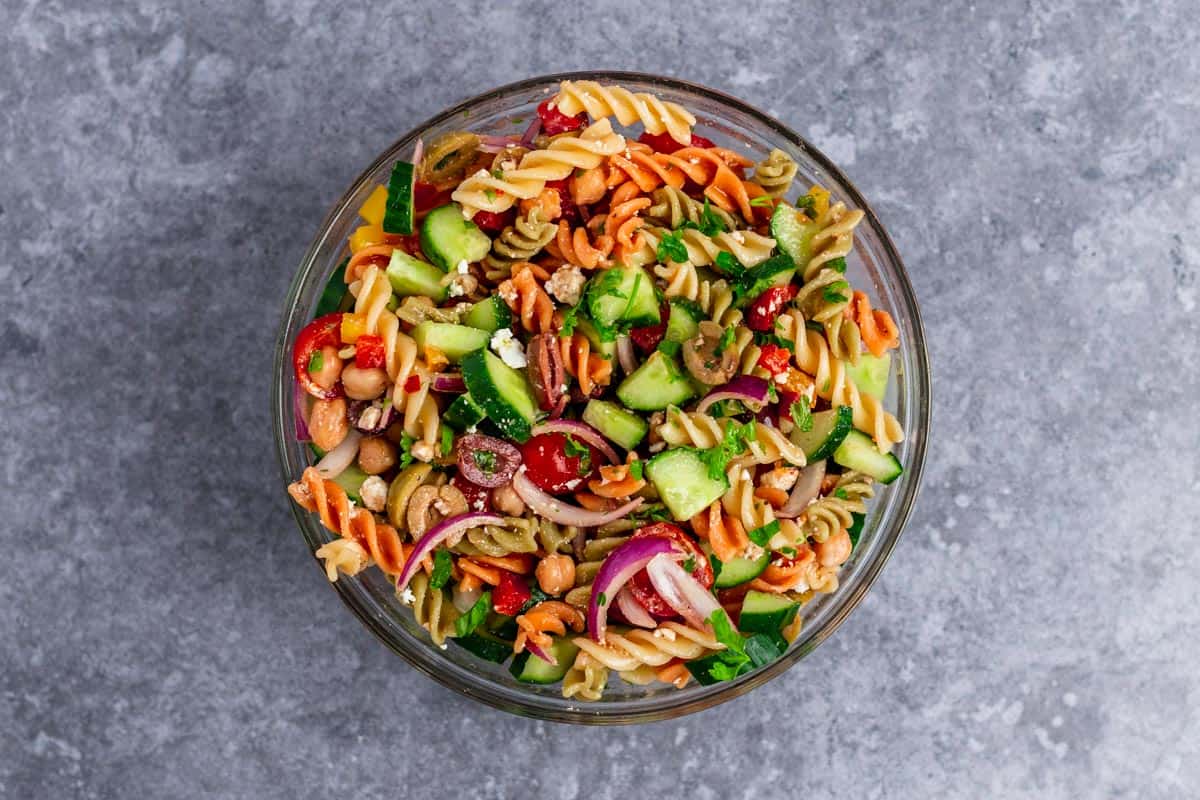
<point>874,263</point>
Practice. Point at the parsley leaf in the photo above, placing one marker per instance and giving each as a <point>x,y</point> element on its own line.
<point>725,633</point>
<point>733,444</point>
<point>841,494</point>
<point>837,265</point>
<point>710,222</point>
<point>636,469</point>
<point>485,460</point>
<point>690,564</point>
<point>316,361</point>
<point>447,440</point>
<point>498,173</point>
<point>762,201</point>
<point>762,649</point>
<point>669,348</point>
<point>441,569</point>
<point>725,342</point>
<point>672,248</point>
<point>468,622</point>
<point>808,205</point>
<point>490,194</point>
<point>406,456</point>
<point>769,338</point>
<point>574,448</point>
<point>570,317</point>
<point>728,264</point>
<point>602,599</point>
<point>833,292</point>
<point>802,414</point>
<point>716,566</point>
<point>760,536</point>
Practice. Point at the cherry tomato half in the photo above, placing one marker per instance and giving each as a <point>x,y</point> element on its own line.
<point>555,122</point>
<point>556,465</point>
<point>766,307</point>
<point>663,143</point>
<point>641,587</point>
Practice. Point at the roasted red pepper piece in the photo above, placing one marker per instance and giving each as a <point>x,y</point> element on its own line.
<point>368,351</point>
<point>491,222</point>
<point>774,359</point>
<point>766,307</point>
<point>511,595</point>
<point>663,143</point>
<point>321,332</point>
<point>555,122</point>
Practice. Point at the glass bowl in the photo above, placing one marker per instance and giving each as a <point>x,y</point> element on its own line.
<point>874,262</point>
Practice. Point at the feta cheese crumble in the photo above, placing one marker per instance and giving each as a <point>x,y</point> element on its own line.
<point>566,284</point>
<point>374,491</point>
<point>505,345</point>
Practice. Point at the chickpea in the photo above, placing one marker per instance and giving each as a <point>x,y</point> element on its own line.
<point>363,384</point>
<point>555,573</point>
<point>506,500</point>
<point>376,455</point>
<point>328,423</point>
<point>835,550</point>
<point>331,368</point>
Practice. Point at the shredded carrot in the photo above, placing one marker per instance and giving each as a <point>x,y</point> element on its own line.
<point>469,583</point>
<point>520,563</point>
<point>674,672</point>
<point>776,497</point>
<point>489,575</point>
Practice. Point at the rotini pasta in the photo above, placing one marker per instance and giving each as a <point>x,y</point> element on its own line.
<point>824,299</point>
<point>766,446</point>
<point>776,172</point>
<point>626,651</point>
<point>748,247</point>
<point>672,207</point>
<point>835,239</point>
<point>586,679</point>
<point>657,116</point>
<point>740,503</point>
<point>715,298</point>
<point>521,241</point>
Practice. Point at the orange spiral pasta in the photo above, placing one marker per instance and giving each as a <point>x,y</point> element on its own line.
<point>616,480</point>
<point>547,617</point>
<point>528,301</point>
<point>588,368</point>
<point>623,222</point>
<point>574,247</point>
<point>724,533</point>
<point>782,575</point>
<point>330,502</point>
<point>639,164</point>
<point>876,326</point>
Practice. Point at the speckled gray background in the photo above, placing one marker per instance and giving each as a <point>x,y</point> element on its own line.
<point>164,632</point>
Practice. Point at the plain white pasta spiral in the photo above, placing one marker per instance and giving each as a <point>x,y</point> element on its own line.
<point>486,192</point>
<point>694,429</point>
<point>748,247</point>
<point>835,239</point>
<point>834,384</point>
<point>715,298</point>
<point>345,556</point>
<point>656,115</point>
<point>739,500</point>
<point>586,678</point>
<point>625,651</point>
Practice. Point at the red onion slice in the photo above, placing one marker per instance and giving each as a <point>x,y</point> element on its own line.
<point>807,487</point>
<point>532,131</point>
<point>540,653</point>
<point>492,473</point>
<point>686,595</point>
<point>625,354</point>
<point>634,611</point>
<point>438,534</point>
<point>336,460</point>
<point>495,144</point>
<point>451,382</point>
<point>418,152</point>
<point>621,565</point>
<point>300,410</point>
<point>581,431</point>
<point>556,510</point>
<point>749,389</point>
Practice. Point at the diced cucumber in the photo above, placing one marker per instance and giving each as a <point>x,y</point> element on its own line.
<point>489,315</point>
<point>448,238</point>
<point>623,294</point>
<point>682,480</point>
<point>829,429</point>
<point>684,322</point>
<point>351,479</point>
<point>528,668</point>
<point>605,348</point>
<point>398,216</point>
<point>870,374</point>
<point>623,427</point>
<point>463,413</point>
<point>485,645</point>
<point>764,612</point>
<point>656,384</point>
<point>775,271</point>
<point>742,570</point>
<point>502,626</point>
<point>859,453</point>
<point>502,392</point>
<point>335,291</point>
<point>794,233</point>
<point>455,341</point>
<point>410,276</point>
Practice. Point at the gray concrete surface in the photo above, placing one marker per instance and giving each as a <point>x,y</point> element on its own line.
<point>163,631</point>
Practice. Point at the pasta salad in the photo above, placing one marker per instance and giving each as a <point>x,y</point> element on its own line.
<point>598,398</point>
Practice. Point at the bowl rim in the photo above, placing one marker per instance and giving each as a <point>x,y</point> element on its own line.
<point>595,714</point>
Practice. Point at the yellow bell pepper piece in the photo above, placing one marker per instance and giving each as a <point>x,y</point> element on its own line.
<point>373,209</point>
<point>353,326</point>
<point>820,197</point>
<point>366,236</point>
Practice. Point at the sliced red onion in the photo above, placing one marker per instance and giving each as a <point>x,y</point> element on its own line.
<point>622,564</point>
<point>495,144</point>
<point>749,389</point>
<point>556,510</point>
<point>438,534</point>
<point>505,458</point>
<point>418,152</point>
<point>336,460</point>
<point>540,653</point>
<point>634,611</point>
<point>807,487</point>
<point>464,600</point>
<point>451,382</point>
<point>581,431</point>
<point>535,127</point>
<point>300,410</point>
<point>625,354</point>
<point>686,595</point>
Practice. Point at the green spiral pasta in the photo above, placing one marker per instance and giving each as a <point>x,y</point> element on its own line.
<point>520,241</point>
<point>824,299</point>
<point>672,207</point>
<point>834,512</point>
<point>776,172</point>
<point>431,608</point>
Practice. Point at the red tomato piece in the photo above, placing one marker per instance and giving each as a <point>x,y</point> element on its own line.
<point>766,307</point>
<point>648,337</point>
<point>663,143</point>
<point>774,359</point>
<point>491,222</point>
<point>426,196</point>
<point>511,595</point>
<point>641,587</point>
<point>555,122</point>
<point>413,384</point>
<point>556,465</point>
<point>368,351</point>
<point>478,498</point>
<point>321,332</point>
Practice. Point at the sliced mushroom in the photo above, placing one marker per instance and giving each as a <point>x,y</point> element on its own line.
<point>701,358</point>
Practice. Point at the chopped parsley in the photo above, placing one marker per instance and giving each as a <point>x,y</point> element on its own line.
<point>716,565</point>
<point>760,536</point>
<point>726,341</point>
<point>441,569</point>
<point>761,338</point>
<point>406,456</point>
<point>637,469</point>
<point>807,204</point>
<point>570,317</point>
<point>490,194</point>
<point>813,325</point>
<point>468,622</point>
<point>710,222</point>
<point>602,599</point>
<point>833,292</point>
<point>741,654</point>
<point>672,248</point>
<point>668,348</point>
<point>498,174</point>
<point>690,564</point>
<point>802,414</point>
<point>574,448</point>
<point>762,201</point>
<point>837,265</point>
<point>485,460</point>
<point>316,361</point>
<point>733,444</point>
<point>841,494</point>
<point>790,552</point>
<point>447,440</point>
<point>728,264</point>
